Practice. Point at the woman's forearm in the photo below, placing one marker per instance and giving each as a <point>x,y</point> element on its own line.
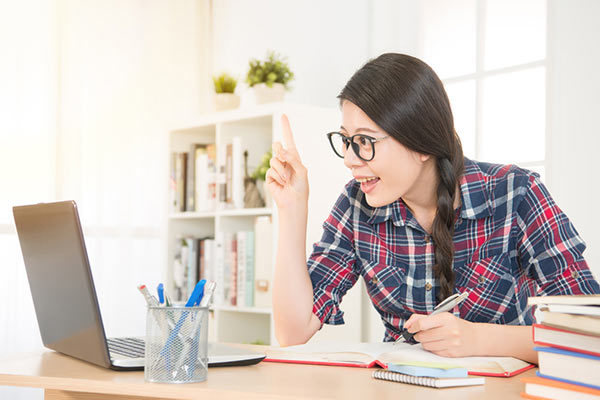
<point>506,341</point>
<point>292,288</point>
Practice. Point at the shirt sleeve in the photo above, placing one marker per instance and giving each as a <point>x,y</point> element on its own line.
<point>550,249</point>
<point>330,265</point>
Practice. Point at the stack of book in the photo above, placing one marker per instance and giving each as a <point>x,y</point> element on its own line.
<point>568,340</point>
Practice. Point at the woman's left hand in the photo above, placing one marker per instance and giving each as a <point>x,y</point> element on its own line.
<point>444,334</point>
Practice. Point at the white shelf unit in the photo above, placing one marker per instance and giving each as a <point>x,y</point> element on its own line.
<point>259,127</point>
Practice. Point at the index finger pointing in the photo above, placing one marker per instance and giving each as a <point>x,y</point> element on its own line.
<point>288,137</point>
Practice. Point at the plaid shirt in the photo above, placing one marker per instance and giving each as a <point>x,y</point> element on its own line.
<point>511,241</point>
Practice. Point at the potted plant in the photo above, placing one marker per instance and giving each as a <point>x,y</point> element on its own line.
<point>225,98</point>
<point>269,78</point>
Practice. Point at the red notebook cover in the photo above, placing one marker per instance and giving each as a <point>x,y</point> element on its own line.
<point>377,363</point>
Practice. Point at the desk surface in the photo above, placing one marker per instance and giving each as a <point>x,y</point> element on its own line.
<point>60,375</point>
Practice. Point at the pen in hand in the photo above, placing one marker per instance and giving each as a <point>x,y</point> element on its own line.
<point>446,305</point>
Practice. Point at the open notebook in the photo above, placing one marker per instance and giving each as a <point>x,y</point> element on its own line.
<point>369,355</point>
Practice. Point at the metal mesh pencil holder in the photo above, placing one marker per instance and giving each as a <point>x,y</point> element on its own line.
<point>176,344</point>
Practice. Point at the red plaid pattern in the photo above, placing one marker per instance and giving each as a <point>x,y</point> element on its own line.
<point>511,242</point>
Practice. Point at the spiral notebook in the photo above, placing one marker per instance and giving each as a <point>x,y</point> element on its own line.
<point>427,381</point>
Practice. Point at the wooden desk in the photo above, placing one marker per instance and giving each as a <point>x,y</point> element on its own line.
<point>64,377</point>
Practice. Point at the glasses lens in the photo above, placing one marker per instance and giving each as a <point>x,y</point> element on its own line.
<point>363,147</point>
<point>338,144</point>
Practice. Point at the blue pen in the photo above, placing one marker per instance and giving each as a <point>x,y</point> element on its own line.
<point>161,293</point>
<point>197,294</point>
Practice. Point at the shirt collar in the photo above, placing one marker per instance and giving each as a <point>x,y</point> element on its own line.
<point>476,201</point>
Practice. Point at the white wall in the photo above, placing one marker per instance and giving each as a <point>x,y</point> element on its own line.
<point>574,116</point>
<point>325,42</point>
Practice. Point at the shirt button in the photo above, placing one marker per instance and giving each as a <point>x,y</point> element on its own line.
<point>428,286</point>
<point>481,279</point>
<point>374,280</point>
<point>574,274</point>
<point>426,238</point>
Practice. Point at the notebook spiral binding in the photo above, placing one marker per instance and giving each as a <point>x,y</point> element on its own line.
<point>397,377</point>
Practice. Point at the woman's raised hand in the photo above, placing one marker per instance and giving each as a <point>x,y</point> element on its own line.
<point>287,178</point>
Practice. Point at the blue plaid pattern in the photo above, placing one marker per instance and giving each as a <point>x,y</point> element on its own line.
<point>511,242</point>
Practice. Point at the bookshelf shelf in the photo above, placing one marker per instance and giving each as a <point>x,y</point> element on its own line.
<point>252,310</point>
<point>243,212</point>
<point>208,222</point>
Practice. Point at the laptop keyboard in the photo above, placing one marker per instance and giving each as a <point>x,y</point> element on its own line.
<point>128,347</point>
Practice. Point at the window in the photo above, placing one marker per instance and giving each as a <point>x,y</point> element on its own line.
<point>491,56</point>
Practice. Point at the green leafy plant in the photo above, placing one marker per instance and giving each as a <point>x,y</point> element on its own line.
<point>274,69</point>
<point>261,171</point>
<point>224,83</point>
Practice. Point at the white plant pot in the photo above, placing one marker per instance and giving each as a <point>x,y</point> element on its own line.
<point>265,94</point>
<point>226,101</point>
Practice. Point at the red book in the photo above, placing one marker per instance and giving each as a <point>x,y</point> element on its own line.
<point>368,355</point>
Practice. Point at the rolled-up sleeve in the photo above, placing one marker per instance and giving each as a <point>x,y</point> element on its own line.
<point>331,263</point>
<point>550,249</point>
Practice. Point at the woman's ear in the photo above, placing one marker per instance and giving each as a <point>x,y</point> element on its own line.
<point>424,157</point>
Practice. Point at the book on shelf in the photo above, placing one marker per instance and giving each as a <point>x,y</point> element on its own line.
<point>569,366</point>
<point>219,269</point>
<point>245,268</point>
<point>543,388</point>
<point>178,181</point>
<point>263,260</point>
<point>190,250</point>
<point>193,260</point>
<point>546,335</point>
<point>428,381</point>
<point>368,355</point>
<point>199,192</point>
<point>241,268</point>
<point>193,185</point>
<point>249,270</point>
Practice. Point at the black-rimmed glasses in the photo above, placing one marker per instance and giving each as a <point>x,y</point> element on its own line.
<point>363,145</point>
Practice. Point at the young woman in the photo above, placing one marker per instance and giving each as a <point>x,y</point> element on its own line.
<point>420,222</point>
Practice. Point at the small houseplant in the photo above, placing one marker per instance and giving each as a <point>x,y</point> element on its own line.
<point>269,78</point>
<point>225,97</point>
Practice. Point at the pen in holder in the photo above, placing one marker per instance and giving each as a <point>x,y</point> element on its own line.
<point>176,344</point>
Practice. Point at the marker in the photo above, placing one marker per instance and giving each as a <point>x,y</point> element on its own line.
<point>161,293</point>
<point>197,294</point>
<point>150,300</point>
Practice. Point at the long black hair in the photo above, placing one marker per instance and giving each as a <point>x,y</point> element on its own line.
<point>405,97</point>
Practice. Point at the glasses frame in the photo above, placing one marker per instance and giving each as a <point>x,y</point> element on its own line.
<point>350,140</point>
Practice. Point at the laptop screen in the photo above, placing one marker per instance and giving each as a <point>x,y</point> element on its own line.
<point>60,280</point>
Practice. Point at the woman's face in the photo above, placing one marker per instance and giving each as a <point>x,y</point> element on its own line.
<point>394,172</point>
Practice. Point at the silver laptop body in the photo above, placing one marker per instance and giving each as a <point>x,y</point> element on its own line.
<point>64,295</point>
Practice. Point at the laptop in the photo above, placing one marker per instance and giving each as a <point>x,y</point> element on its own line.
<point>64,296</point>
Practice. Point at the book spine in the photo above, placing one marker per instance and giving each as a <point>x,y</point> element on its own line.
<point>219,269</point>
<point>249,266</point>
<point>263,261</point>
<point>232,273</point>
<point>237,177</point>
<point>201,174</point>
<point>241,268</point>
